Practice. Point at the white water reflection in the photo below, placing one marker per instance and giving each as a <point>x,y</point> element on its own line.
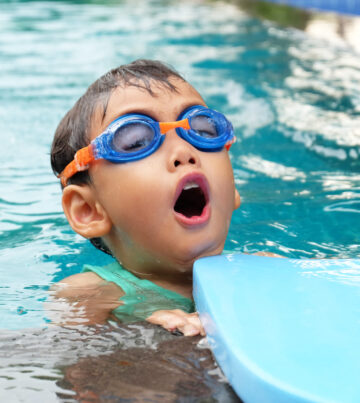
<point>351,206</point>
<point>339,29</point>
<point>337,270</point>
<point>270,168</point>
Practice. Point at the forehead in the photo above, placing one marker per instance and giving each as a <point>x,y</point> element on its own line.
<point>163,104</point>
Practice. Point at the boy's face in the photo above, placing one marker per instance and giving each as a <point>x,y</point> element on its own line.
<point>148,233</point>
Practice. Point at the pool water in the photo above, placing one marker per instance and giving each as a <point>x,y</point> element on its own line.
<point>294,101</point>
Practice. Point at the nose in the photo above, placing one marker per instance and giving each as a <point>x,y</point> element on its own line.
<point>181,153</point>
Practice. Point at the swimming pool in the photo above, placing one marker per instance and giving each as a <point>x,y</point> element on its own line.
<point>294,101</point>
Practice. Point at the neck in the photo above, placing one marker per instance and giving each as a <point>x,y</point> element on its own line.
<point>170,279</point>
<point>177,282</point>
<point>172,275</point>
<point>182,284</point>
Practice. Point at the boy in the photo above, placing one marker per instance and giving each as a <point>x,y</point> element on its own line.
<point>157,196</point>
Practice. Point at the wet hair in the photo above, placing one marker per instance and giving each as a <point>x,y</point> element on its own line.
<point>73,131</point>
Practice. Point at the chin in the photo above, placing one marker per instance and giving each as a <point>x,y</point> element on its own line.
<point>187,256</point>
<point>213,252</point>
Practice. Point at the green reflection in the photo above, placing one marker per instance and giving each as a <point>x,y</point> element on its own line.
<point>281,14</point>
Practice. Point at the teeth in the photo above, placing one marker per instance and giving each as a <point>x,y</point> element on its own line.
<point>191,185</point>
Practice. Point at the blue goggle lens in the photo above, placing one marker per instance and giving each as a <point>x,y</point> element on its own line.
<point>209,129</point>
<point>204,126</point>
<point>132,137</point>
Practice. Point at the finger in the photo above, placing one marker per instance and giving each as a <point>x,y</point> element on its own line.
<point>188,324</point>
<point>167,319</point>
<point>189,330</point>
<point>195,321</point>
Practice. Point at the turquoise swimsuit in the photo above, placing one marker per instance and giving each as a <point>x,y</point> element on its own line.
<point>142,297</point>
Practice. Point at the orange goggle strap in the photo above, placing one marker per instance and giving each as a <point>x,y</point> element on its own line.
<point>230,143</point>
<point>81,162</point>
<point>166,126</point>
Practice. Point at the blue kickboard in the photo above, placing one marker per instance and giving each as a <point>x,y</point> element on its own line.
<point>283,330</point>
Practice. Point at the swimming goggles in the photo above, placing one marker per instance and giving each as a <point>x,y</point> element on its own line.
<point>133,136</point>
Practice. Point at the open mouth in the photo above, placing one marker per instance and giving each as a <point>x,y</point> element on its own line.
<point>191,204</point>
<point>191,201</point>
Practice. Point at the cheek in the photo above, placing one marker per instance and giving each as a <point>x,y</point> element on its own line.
<point>132,197</point>
<point>222,184</point>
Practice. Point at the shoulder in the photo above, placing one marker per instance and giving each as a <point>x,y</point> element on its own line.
<point>85,279</point>
<point>85,284</point>
<point>83,298</point>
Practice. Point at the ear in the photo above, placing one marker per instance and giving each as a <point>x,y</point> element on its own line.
<point>85,214</point>
<point>237,200</point>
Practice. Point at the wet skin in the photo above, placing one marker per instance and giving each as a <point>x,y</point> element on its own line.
<point>131,205</point>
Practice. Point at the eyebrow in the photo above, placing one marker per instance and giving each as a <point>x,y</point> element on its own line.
<point>148,112</point>
<point>140,111</point>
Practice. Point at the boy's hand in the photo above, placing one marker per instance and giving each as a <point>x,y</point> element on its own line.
<point>187,323</point>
